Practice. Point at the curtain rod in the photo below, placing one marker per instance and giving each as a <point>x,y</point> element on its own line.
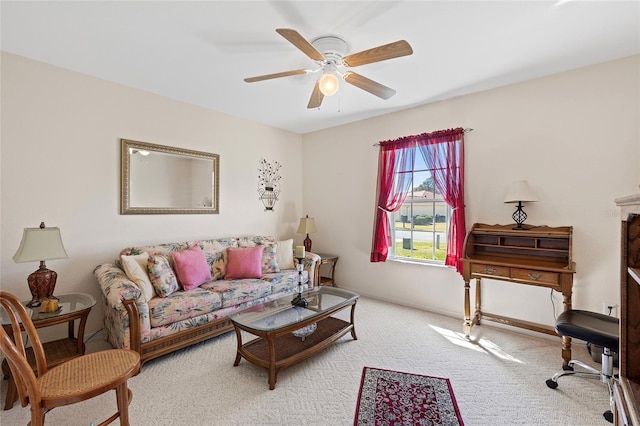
<point>466,130</point>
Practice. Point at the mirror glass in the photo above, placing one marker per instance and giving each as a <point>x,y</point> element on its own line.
<point>158,179</point>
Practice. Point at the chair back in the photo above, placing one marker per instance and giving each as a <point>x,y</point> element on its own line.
<point>13,348</point>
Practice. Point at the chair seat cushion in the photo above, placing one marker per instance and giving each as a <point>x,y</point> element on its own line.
<point>87,376</point>
<point>593,327</point>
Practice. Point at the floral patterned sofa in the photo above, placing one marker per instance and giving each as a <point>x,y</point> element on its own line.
<point>170,310</point>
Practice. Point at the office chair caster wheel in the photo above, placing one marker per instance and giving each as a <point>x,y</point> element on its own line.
<point>551,384</point>
<point>567,367</point>
<point>608,416</point>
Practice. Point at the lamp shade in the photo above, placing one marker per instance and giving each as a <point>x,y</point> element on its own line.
<point>520,191</point>
<point>40,244</point>
<point>307,226</point>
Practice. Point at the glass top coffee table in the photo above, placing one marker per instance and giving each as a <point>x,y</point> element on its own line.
<point>288,334</point>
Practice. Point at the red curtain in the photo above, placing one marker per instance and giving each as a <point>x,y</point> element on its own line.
<point>444,154</point>
<point>393,184</point>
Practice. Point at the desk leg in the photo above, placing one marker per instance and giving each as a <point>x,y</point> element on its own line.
<point>467,310</point>
<point>478,314</point>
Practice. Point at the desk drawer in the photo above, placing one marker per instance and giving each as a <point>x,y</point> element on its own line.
<point>535,276</point>
<point>498,271</point>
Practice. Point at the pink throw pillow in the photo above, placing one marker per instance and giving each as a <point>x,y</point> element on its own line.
<point>191,267</point>
<point>244,263</point>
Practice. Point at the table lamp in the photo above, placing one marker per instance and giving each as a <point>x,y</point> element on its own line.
<point>520,192</point>
<point>40,244</point>
<point>307,226</point>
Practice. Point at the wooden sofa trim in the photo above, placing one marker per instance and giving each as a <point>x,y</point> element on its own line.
<point>168,344</point>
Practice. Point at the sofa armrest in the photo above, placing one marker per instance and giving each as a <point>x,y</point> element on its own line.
<point>135,333</point>
<point>116,287</point>
<point>311,263</point>
<point>126,312</point>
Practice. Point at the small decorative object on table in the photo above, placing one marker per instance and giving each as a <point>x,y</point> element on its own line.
<point>49,305</point>
<point>305,331</point>
<point>299,300</point>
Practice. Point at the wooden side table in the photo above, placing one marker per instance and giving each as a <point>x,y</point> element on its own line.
<point>330,260</point>
<point>73,306</point>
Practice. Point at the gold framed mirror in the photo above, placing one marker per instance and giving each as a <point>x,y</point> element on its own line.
<point>159,179</point>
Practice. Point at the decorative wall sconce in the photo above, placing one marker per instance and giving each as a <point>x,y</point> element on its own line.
<point>268,183</point>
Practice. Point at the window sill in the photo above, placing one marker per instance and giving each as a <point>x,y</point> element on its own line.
<point>416,262</point>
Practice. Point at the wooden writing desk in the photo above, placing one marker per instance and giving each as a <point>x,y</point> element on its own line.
<point>537,255</point>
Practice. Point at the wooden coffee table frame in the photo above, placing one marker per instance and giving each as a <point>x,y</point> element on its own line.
<point>279,348</point>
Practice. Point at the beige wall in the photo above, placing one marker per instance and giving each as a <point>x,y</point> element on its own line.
<point>61,162</point>
<point>574,136</point>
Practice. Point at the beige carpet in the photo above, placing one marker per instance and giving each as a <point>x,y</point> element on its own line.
<point>498,379</point>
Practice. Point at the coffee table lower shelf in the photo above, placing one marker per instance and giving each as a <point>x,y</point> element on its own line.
<point>289,350</point>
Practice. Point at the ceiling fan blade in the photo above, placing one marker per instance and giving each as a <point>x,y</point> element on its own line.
<point>301,43</point>
<point>370,86</point>
<point>316,97</point>
<point>377,54</point>
<point>276,75</point>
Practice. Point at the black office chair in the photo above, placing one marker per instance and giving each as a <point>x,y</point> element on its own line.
<point>599,329</point>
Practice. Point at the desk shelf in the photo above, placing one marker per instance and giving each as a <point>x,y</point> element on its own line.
<point>533,241</point>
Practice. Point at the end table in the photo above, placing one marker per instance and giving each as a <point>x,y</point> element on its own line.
<point>73,306</point>
<point>331,260</point>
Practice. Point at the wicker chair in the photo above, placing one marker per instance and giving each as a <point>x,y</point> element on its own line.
<point>62,385</point>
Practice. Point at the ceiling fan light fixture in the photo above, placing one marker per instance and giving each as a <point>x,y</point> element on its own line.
<point>329,55</point>
<point>328,84</point>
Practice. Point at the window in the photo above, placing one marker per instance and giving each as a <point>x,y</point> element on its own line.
<point>420,198</point>
<point>419,227</point>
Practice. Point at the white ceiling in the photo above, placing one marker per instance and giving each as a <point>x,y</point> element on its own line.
<point>200,51</point>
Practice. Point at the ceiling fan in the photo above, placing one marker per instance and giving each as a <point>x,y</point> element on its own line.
<point>329,53</point>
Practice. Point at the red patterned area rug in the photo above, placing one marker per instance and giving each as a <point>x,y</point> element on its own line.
<point>389,398</point>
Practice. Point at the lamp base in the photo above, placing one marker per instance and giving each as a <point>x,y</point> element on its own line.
<point>41,285</point>
<point>300,301</point>
<point>307,243</point>
<point>519,216</point>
